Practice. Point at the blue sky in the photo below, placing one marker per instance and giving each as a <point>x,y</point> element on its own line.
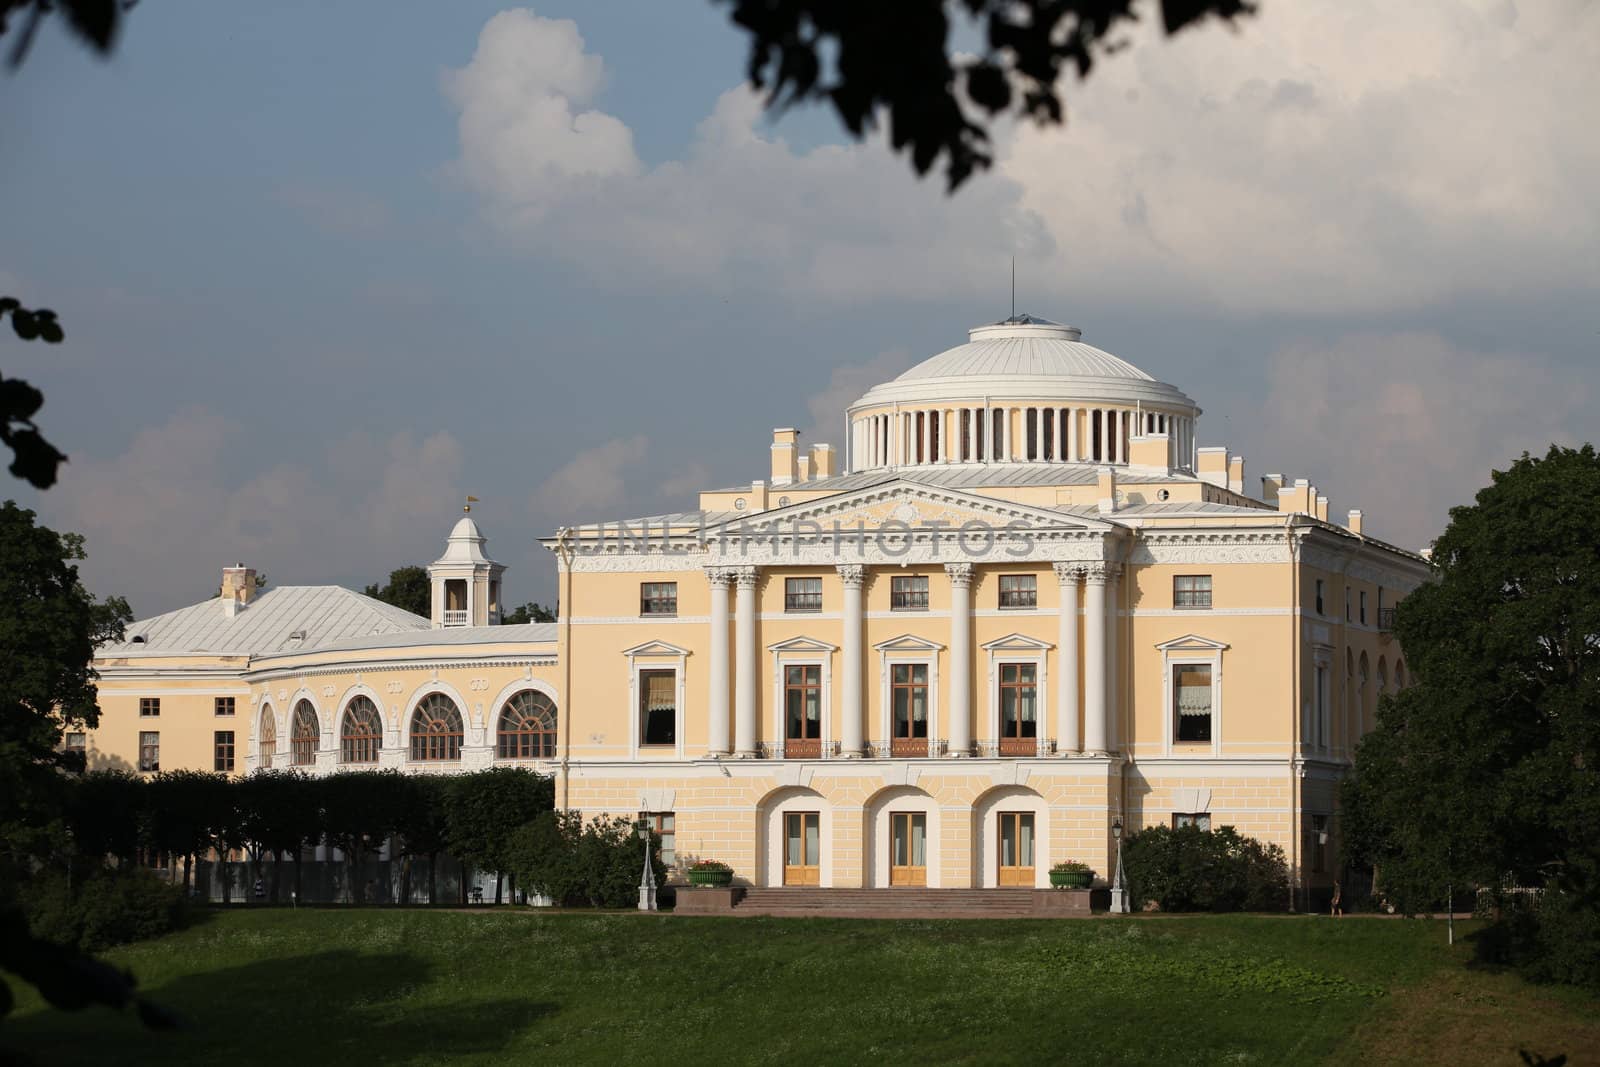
<point>325,270</point>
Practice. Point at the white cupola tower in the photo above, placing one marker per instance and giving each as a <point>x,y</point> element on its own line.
<point>466,582</point>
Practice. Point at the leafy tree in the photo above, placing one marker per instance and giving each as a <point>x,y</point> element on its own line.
<point>181,815</point>
<point>1486,766</point>
<point>105,811</point>
<point>573,863</point>
<point>49,627</point>
<point>360,809</point>
<point>34,459</point>
<point>409,589</point>
<point>532,611</point>
<point>423,829</point>
<point>484,810</point>
<point>281,814</point>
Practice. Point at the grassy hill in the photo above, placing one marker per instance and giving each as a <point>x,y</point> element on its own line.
<point>353,986</point>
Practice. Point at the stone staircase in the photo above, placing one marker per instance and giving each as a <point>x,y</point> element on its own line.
<point>895,903</point>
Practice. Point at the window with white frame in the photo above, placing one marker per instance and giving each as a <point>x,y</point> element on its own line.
<point>1191,702</point>
<point>802,716</point>
<point>222,706</point>
<point>909,704</point>
<point>1200,820</point>
<point>1019,708</point>
<point>1191,591</point>
<point>658,706</point>
<point>664,825</point>
<point>149,750</point>
<point>658,598</point>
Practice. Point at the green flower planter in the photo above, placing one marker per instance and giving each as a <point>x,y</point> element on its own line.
<point>710,877</point>
<point>1071,879</point>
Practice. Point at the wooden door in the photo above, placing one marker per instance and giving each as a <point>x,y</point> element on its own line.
<point>1016,848</point>
<point>908,848</point>
<point>802,848</point>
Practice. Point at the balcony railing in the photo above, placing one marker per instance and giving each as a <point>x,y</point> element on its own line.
<point>1016,747</point>
<point>1386,620</point>
<point>455,618</point>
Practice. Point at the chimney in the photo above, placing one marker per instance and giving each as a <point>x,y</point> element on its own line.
<point>1108,490</point>
<point>1236,474</point>
<point>1355,521</point>
<point>758,496</point>
<point>1322,507</point>
<point>785,445</point>
<point>1299,498</point>
<point>1213,466</point>
<point>803,467</point>
<point>1270,484</point>
<point>238,588</point>
<point>1149,451</point>
<point>822,461</point>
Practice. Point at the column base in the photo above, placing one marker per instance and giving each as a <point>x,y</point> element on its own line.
<point>747,755</point>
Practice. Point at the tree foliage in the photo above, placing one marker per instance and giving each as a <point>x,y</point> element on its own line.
<point>1487,766</point>
<point>532,611</point>
<point>1190,869</point>
<point>34,459</point>
<point>409,589</point>
<point>897,61</point>
<point>483,811</point>
<point>574,863</point>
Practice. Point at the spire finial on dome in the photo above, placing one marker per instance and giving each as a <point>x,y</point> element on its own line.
<point>467,507</point>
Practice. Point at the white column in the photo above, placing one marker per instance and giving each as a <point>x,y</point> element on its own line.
<point>1094,659</point>
<point>1068,738</point>
<point>1008,453</point>
<point>1072,435</point>
<point>960,658</point>
<point>718,664</point>
<point>970,448</point>
<point>850,727</point>
<point>927,436</point>
<point>1113,633</point>
<point>1038,433</point>
<point>744,662</point>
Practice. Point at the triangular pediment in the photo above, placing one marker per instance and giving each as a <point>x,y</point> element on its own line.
<point>655,648</point>
<point>902,503</point>
<point>1191,643</point>
<point>1016,643</point>
<point>908,643</point>
<point>802,644</point>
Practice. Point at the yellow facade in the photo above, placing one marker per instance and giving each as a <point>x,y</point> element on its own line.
<point>1028,606</point>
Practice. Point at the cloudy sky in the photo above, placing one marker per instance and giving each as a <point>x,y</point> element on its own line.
<point>325,269</point>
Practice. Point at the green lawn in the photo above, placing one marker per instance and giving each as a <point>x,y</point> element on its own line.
<point>408,987</point>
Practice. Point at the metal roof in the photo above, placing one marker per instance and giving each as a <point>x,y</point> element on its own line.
<point>529,633</point>
<point>288,618</point>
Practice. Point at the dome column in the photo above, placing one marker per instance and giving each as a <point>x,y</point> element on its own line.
<point>851,735</point>
<point>1069,738</point>
<point>1094,658</point>
<point>744,662</point>
<point>718,579</point>
<point>960,657</point>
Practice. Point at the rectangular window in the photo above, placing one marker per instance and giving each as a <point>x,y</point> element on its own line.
<point>658,707</point>
<point>1320,696</point>
<point>1319,844</point>
<point>1200,819</point>
<point>664,825</point>
<point>802,594</point>
<point>658,598</point>
<point>77,741</point>
<point>1019,591</point>
<point>909,593</point>
<point>223,706</point>
<point>149,707</point>
<point>1191,701</point>
<point>149,750</point>
<point>909,684</point>
<point>1319,596</point>
<point>222,750</point>
<point>1191,591</point>
<point>802,711</point>
<point>1019,703</point>
<point>1363,607</point>
<point>1347,603</point>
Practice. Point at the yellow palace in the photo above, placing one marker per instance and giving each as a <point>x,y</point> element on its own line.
<point>1022,605</point>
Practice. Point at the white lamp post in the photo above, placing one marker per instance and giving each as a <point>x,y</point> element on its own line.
<point>1119,884</point>
<point>647,881</point>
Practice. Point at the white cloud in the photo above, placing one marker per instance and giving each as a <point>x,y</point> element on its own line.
<point>1351,157</point>
<point>845,386</point>
<point>1419,424</point>
<point>161,519</point>
<point>593,484</point>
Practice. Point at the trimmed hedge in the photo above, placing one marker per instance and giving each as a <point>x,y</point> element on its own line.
<point>110,906</point>
<point>1189,869</point>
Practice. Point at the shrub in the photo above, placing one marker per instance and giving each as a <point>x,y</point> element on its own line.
<point>1555,939</point>
<point>575,864</point>
<point>111,906</point>
<point>1189,869</point>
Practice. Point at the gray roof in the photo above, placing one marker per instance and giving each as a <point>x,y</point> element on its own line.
<point>285,619</point>
<point>531,633</point>
<point>973,476</point>
<point>1193,507</point>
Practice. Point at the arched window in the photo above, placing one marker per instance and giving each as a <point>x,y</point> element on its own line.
<point>1383,676</point>
<point>527,727</point>
<point>1399,674</point>
<point>361,734</point>
<point>436,729</point>
<point>303,735</point>
<point>267,737</point>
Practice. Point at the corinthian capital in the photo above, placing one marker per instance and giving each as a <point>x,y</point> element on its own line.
<point>745,576</point>
<point>719,577</point>
<point>960,574</point>
<point>851,574</point>
<point>1068,573</point>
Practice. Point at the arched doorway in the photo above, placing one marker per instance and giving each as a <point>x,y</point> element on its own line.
<point>902,838</point>
<point>794,840</point>
<point>1011,839</point>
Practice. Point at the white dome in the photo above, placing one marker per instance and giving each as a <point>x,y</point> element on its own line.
<point>1025,346</point>
<point>1028,358</point>
<point>466,544</point>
